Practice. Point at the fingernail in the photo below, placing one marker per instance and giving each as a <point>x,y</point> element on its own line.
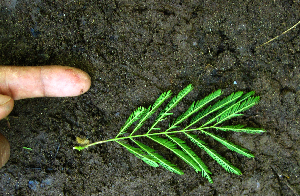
<point>4,99</point>
<point>6,105</point>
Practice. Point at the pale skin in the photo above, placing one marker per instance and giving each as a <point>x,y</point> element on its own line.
<point>40,81</point>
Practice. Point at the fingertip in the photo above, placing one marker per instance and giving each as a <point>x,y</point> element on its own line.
<point>6,105</point>
<point>82,83</point>
<point>64,81</point>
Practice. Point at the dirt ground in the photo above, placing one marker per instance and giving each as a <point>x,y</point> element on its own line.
<point>134,51</point>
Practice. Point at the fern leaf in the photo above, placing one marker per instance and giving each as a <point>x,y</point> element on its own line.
<point>172,147</point>
<point>230,145</point>
<point>230,112</point>
<point>221,160</point>
<point>149,112</point>
<point>236,108</point>
<point>186,149</point>
<point>220,104</point>
<point>132,118</point>
<point>195,108</point>
<point>240,128</point>
<point>174,101</point>
<point>232,109</point>
<point>246,96</point>
<point>217,113</point>
<point>140,154</point>
<point>184,116</point>
<point>158,158</point>
<point>200,165</point>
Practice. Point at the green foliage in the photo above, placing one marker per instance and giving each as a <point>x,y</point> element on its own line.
<point>223,110</point>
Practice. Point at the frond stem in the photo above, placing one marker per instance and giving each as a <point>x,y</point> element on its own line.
<point>143,135</point>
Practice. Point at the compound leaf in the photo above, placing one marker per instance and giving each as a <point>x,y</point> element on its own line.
<point>213,115</point>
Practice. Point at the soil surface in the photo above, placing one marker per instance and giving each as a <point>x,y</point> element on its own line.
<point>134,51</point>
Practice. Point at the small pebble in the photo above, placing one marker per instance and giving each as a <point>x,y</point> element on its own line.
<point>32,184</point>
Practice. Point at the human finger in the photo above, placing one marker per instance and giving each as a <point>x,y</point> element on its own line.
<point>4,150</point>
<point>6,105</point>
<point>43,81</point>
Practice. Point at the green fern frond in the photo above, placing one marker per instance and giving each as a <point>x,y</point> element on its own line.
<point>172,147</point>
<point>200,165</point>
<point>187,151</point>
<point>220,104</point>
<point>174,101</point>
<point>163,162</point>
<point>221,160</point>
<point>195,108</point>
<point>235,109</point>
<point>230,145</point>
<point>132,118</point>
<point>140,154</point>
<point>240,128</point>
<point>221,111</point>
<point>147,113</point>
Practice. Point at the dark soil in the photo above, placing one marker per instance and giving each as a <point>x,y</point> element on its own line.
<point>134,51</point>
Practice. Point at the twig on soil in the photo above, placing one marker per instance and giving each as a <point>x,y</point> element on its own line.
<point>279,35</point>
